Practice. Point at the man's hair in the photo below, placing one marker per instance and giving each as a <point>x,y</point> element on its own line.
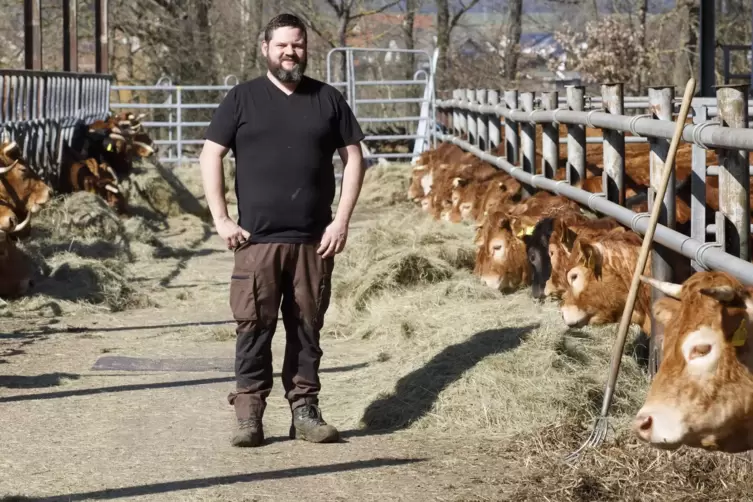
<point>284,20</point>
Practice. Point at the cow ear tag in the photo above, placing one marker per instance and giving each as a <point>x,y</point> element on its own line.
<point>109,147</point>
<point>740,335</point>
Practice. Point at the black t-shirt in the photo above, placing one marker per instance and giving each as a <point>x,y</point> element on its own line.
<point>283,147</point>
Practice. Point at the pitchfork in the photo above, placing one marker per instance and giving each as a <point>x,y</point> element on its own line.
<point>600,424</point>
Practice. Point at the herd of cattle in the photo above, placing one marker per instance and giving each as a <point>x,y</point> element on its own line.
<point>702,395</point>
<point>99,157</point>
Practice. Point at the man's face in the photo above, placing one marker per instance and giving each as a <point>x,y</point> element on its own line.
<point>286,54</point>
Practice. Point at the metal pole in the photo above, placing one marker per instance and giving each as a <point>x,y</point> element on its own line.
<point>494,122</point>
<point>33,34</point>
<point>455,114</point>
<point>613,177</point>
<point>470,118</point>
<point>660,104</point>
<point>698,189</point>
<point>511,129</point>
<point>550,147</point>
<point>481,118</point>
<point>100,34</point>
<point>70,35</point>
<point>734,180</point>
<point>179,125</point>
<point>707,28</point>
<point>576,137</point>
<point>527,141</point>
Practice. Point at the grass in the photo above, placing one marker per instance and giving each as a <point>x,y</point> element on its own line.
<point>460,359</point>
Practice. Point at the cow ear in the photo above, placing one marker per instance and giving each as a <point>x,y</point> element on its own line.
<point>505,224</point>
<point>723,294</point>
<point>591,257</point>
<point>568,237</point>
<point>665,309</point>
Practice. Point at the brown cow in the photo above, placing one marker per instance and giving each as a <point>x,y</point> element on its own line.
<point>598,274</point>
<point>702,394</point>
<point>501,261</point>
<point>21,189</point>
<point>97,178</point>
<point>15,269</point>
<point>472,197</point>
<point>562,240</point>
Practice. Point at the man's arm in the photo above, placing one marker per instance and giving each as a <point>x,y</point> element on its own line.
<point>352,181</point>
<point>336,234</point>
<point>213,180</point>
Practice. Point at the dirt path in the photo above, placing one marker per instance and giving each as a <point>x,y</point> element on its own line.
<point>72,432</point>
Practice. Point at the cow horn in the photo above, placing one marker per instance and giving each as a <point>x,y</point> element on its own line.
<point>116,136</point>
<point>112,171</point>
<point>124,123</point>
<point>6,169</point>
<point>10,147</point>
<point>140,116</point>
<point>144,146</point>
<point>668,288</point>
<point>23,224</point>
<point>111,188</point>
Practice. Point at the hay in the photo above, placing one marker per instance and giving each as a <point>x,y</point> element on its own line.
<point>155,191</point>
<point>387,186</point>
<point>498,369</point>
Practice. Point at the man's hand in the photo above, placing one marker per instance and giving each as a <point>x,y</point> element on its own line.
<point>231,233</point>
<point>333,240</point>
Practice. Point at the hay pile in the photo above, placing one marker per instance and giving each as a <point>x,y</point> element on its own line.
<point>479,365</point>
<point>82,250</point>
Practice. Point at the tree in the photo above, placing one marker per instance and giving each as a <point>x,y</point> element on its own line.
<point>446,22</point>
<point>514,30</point>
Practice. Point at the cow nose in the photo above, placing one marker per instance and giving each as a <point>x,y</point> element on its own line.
<point>642,426</point>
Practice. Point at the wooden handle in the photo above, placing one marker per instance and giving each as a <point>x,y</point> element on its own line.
<point>648,238</point>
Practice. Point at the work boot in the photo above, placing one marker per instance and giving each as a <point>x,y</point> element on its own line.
<point>309,425</point>
<point>250,432</point>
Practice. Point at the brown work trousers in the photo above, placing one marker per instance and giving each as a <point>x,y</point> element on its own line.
<point>263,275</point>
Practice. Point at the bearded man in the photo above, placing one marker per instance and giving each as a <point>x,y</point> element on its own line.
<point>283,128</point>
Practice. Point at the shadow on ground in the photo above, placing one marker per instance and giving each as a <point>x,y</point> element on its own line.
<point>35,381</point>
<point>416,392</point>
<point>192,484</point>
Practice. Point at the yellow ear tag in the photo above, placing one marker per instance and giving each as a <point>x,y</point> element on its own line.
<point>529,230</point>
<point>109,147</point>
<point>740,335</point>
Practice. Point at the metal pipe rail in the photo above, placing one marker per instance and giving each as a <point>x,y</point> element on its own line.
<point>707,135</point>
<point>706,254</point>
<point>39,110</point>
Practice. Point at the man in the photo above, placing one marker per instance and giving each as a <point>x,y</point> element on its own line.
<point>283,128</point>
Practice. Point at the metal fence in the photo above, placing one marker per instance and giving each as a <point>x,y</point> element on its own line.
<point>39,109</point>
<point>175,100</point>
<point>478,116</point>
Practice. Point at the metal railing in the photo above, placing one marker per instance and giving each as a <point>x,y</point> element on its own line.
<point>39,109</point>
<point>478,114</point>
<point>465,113</point>
<point>427,114</point>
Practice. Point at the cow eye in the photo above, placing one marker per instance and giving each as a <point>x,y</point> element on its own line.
<point>700,350</point>
<point>572,277</point>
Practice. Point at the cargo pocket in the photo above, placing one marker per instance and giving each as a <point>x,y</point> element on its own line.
<point>243,296</point>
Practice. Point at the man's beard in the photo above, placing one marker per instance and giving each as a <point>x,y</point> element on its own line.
<point>287,76</point>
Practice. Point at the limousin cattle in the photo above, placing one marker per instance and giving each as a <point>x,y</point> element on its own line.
<point>549,245</point>
<point>702,394</point>
<point>598,275</point>
<point>15,269</point>
<point>501,260</point>
<point>22,191</point>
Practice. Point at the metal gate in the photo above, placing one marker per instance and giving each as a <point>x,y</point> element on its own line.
<point>421,125</point>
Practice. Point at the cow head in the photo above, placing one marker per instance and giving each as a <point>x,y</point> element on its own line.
<point>538,253</point>
<point>142,145</point>
<point>464,197</point>
<point>702,395</point>
<point>418,188</point>
<point>20,185</point>
<point>559,247</point>
<point>598,276</point>
<point>506,265</point>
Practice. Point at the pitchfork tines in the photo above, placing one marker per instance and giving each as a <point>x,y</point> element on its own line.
<point>598,435</point>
